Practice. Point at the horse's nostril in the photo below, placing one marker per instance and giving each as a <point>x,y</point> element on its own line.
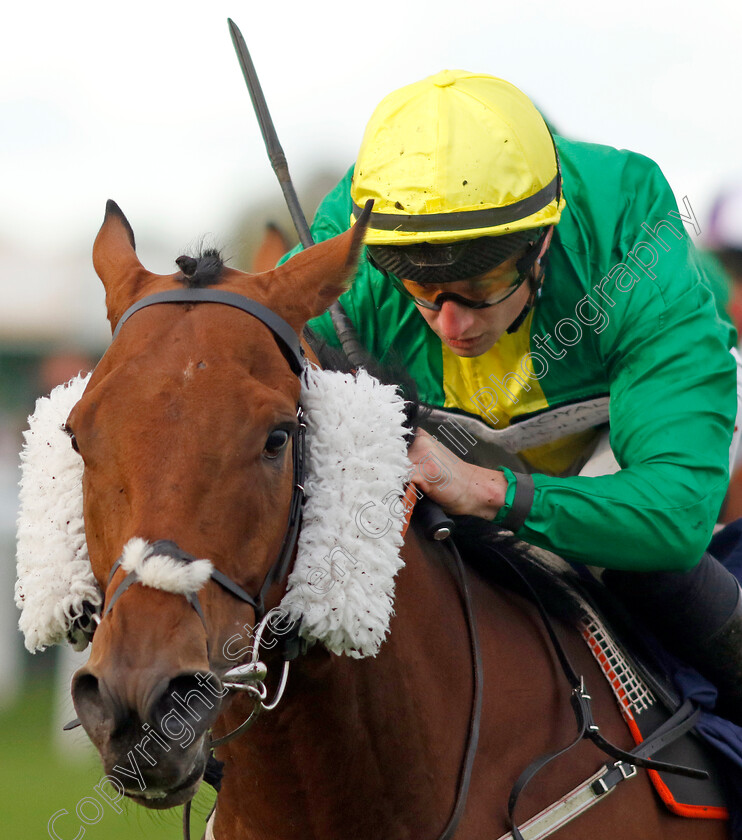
<point>189,701</point>
<point>85,687</point>
<point>87,700</point>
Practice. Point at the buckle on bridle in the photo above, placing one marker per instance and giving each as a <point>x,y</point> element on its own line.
<point>625,771</point>
<point>581,700</point>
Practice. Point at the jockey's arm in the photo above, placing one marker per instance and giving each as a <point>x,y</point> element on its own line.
<point>673,404</point>
<point>672,411</point>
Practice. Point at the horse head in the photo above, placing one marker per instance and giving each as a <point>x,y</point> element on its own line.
<point>186,429</point>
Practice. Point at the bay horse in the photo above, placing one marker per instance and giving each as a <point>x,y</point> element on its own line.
<point>186,429</point>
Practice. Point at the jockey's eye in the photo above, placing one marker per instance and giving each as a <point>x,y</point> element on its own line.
<point>275,443</point>
<point>73,439</point>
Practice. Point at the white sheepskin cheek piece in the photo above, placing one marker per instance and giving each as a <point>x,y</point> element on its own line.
<point>159,571</point>
<point>54,573</point>
<point>342,584</point>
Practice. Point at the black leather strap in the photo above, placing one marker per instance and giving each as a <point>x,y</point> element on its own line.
<point>196,604</point>
<point>233,588</point>
<point>280,568</point>
<point>472,738</point>
<point>287,338</point>
<point>682,721</point>
<point>130,579</point>
<point>475,715</point>
<point>522,503</point>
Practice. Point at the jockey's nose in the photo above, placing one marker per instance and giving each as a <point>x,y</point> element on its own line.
<point>455,320</point>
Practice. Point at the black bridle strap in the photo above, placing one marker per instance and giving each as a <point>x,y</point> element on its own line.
<point>287,338</point>
<point>236,590</point>
<point>131,578</point>
<point>167,548</point>
<point>280,568</point>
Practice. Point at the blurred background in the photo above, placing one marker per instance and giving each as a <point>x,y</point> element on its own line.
<point>144,102</point>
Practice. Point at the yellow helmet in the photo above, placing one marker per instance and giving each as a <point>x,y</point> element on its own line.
<point>456,156</point>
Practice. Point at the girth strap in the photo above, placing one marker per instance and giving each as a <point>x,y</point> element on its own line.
<point>605,781</point>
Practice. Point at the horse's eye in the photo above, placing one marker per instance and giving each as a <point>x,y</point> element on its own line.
<point>277,439</point>
<point>73,439</point>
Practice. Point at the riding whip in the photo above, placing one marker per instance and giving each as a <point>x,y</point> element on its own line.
<point>343,326</point>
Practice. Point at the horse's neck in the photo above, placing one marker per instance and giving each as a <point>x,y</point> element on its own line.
<point>358,746</point>
<point>373,748</point>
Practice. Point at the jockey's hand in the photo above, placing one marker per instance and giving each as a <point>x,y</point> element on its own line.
<point>459,488</point>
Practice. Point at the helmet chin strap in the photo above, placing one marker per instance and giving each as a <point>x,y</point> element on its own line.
<point>535,283</point>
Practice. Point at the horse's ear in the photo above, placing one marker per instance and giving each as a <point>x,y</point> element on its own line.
<point>309,282</point>
<point>116,262</point>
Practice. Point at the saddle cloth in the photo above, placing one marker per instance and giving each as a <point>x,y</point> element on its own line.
<point>649,685</point>
<point>646,703</point>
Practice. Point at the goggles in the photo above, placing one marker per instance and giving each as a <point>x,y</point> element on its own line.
<point>481,293</point>
<point>481,289</point>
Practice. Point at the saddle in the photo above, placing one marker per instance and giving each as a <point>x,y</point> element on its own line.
<point>649,702</point>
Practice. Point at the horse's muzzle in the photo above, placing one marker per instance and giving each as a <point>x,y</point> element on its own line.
<point>154,747</point>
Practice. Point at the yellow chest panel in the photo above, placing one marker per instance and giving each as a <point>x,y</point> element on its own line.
<point>500,385</point>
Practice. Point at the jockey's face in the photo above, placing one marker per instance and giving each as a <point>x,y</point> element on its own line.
<point>472,332</point>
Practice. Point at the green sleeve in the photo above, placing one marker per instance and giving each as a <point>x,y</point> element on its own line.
<point>716,278</point>
<point>672,411</point>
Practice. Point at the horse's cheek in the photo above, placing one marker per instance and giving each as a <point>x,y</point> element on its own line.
<point>106,514</point>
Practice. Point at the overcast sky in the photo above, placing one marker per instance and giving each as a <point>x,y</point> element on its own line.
<point>144,102</point>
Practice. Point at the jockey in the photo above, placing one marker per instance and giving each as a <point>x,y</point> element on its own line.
<point>547,299</point>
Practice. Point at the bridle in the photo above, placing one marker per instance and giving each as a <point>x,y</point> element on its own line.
<point>249,678</point>
<point>293,352</point>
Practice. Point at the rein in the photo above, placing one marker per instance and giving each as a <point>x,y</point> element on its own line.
<point>475,716</point>
<point>249,678</point>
